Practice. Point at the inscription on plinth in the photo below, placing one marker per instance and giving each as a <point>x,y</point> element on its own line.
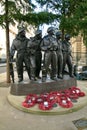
<point>39,87</point>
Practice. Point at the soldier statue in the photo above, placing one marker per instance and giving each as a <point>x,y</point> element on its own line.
<point>20,44</point>
<point>67,57</point>
<point>38,54</point>
<point>34,55</point>
<point>49,46</point>
<point>59,55</point>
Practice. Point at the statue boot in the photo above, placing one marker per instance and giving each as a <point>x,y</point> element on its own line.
<point>71,74</point>
<point>32,74</point>
<point>20,78</point>
<point>60,76</point>
<point>44,75</point>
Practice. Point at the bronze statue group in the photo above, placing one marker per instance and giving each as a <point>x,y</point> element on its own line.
<point>57,54</point>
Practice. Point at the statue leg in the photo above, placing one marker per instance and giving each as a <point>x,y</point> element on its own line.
<point>54,65</point>
<point>70,66</point>
<point>47,61</point>
<point>19,65</point>
<point>38,65</point>
<point>64,62</point>
<point>60,66</point>
<point>27,65</point>
<point>32,67</point>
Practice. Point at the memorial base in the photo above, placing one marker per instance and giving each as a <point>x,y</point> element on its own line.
<point>39,87</point>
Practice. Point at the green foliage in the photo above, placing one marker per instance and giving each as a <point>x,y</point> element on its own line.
<point>73,15</point>
<point>16,11</point>
<point>81,17</point>
<point>40,18</point>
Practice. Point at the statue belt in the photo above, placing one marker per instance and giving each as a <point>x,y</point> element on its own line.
<point>50,50</point>
<point>21,51</point>
<point>65,51</point>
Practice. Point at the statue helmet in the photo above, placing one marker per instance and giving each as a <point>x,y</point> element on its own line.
<point>38,32</point>
<point>50,29</point>
<point>21,30</point>
<point>58,34</point>
<point>67,36</point>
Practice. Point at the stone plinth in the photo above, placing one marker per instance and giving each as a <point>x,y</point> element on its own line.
<point>39,87</point>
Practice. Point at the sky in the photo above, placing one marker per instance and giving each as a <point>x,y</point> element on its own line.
<point>43,27</point>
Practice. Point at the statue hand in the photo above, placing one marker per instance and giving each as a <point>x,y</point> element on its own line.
<point>11,58</point>
<point>44,48</point>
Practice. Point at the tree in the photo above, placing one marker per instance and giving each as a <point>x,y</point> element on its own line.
<point>7,40</point>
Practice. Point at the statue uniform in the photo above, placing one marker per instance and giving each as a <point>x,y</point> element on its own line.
<point>38,54</point>
<point>35,54</point>
<point>19,44</point>
<point>49,46</point>
<point>67,57</point>
<point>59,55</point>
<point>31,50</point>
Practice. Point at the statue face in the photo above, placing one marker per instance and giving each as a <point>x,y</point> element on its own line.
<point>39,36</point>
<point>51,32</point>
<point>67,37</point>
<point>22,33</point>
<point>59,36</point>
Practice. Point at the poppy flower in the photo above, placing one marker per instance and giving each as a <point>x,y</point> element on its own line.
<point>30,100</point>
<point>45,105</point>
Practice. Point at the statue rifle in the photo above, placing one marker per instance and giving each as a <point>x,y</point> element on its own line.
<point>11,71</point>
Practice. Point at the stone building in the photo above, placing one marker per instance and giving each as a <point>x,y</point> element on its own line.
<point>78,50</point>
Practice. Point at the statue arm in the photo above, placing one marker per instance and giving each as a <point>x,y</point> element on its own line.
<point>42,46</point>
<point>46,46</point>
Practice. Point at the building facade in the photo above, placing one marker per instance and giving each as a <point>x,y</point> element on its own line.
<point>78,50</point>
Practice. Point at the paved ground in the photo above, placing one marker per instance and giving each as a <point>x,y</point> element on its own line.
<point>13,119</point>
